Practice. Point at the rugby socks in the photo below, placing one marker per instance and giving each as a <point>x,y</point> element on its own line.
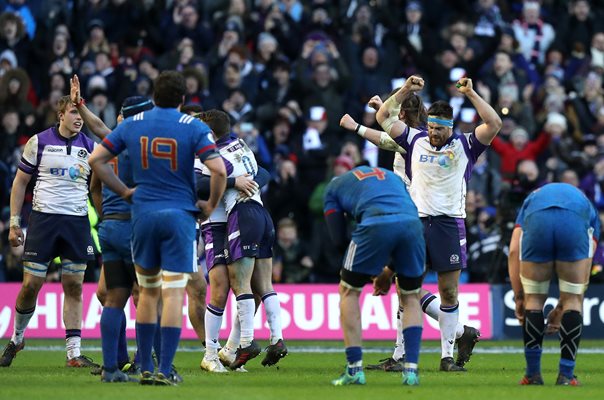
<point>234,336</point>
<point>145,334</point>
<point>111,324</point>
<point>431,306</point>
<point>245,311</point>
<point>533,330</point>
<point>73,341</point>
<point>571,328</point>
<point>272,308</point>
<point>22,318</point>
<point>354,356</point>
<point>157,341</point>
<point>213,320</point>
<point>170,336</point>
<point>399,348</point>
<point>413,337</point>
<point>122,344</point>
<point>448,318</point>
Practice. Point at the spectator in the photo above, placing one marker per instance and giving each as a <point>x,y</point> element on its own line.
<point>291,263</point>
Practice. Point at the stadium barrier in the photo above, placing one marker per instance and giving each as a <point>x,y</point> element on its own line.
<point>308,312</point>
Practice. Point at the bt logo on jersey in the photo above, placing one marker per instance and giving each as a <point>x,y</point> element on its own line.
<point>74,172</point>
<point>444,160</point>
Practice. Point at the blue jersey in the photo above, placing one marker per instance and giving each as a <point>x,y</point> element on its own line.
<point>366,192</point>
<point>563,196</point>
<point>162,144</point>
<point>112,203</point>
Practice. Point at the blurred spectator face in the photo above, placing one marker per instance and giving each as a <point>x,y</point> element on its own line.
<point>186,54</point>
<point>147,68</point>
<point>531,11</point>
<point>189,17</point>
<point>235,57</point>
<point>363,16</point>
<point>9,30</point>
<point>53,99</point>
<point>97,35</point>
<point>281,75</point>
<point>287,170</point>
<point>100,101</point>
<point>13,86</point>
<point>502,64</point>
<point>370,58</point>
<point>486,4</point>
<point>569,176</point>
<point>192,84</point>
<point>507,42</point>
<point>592,88</point>
<point>461,27</point>
<point>458,42</point>
<point>322,75</point>
<point>281,131</point>
<point>597,41</point>
<point>237,98</point>
<point>519,138</point>
<point>267,46</point>
<point>413,15</point>
<point>10,122</point>
<point>102,62</point>
<point>508,125</point>
<point>554,57</point>
<point>143,87</point>
<point>529,169</point>
<point>59,44</point>
<point>581,10</point>
<point>232,76</point>
<point>287,235</point>
<point>237,7</point>
<point>350,149</point>
<point>57,82</point>
<point>591,149</point>
<point>320,17</point>
<point>448,59</point>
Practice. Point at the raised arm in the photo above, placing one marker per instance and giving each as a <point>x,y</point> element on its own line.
<point>485,132</point>
<point>379,138</point>
<point>388,114</point>
<point>94,123</point>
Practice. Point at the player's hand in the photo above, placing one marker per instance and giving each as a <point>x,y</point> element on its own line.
<point>205,209</point>
<point>382,283</point>
<point>128,193</point>
<point>414,83</point>
<point>246,185</point>
<point>519,311</point>
<point>375,102</point>
<point>74,89</point>
<point>348,123</point>
<point>464,85</point>
<point>553,318</point>
<point>16,236</point>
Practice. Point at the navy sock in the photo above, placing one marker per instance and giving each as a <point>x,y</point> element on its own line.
<point>354,356</point>
<point>533,329</point>
<point>122,344</point>
<point>144,339</point>
<point>413,339</point>
<point>571,328</point>
<point>170,336</point>
<point>157,341</point>
<point>110,331</point>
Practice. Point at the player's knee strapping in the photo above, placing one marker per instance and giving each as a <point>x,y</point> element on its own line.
<point>35,269</point>
<point>410,285</point>
<point>149,281</point>
<point>174,280</point>
<point>71,268</point>
<point>534,287</point>
<point>573,288</point>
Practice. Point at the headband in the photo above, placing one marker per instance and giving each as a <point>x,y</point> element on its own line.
<point>444,122</point>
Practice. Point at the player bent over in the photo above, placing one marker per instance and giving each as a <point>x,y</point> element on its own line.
<point>557,230</point>
<point>388,227</point>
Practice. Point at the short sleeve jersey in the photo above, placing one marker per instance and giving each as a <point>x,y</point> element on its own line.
<point>62,171</point>
<point>162,144</point>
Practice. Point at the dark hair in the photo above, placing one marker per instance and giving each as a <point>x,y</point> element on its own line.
<point>169,89</point>
<point>218,121</point>
<point>191,109</point>
<point>415,111</point>
<point>442,109</point>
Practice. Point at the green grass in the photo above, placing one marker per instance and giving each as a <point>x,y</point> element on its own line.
<point>41,375</point>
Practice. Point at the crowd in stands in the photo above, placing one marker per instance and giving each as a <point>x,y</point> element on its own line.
<point>287,70</point>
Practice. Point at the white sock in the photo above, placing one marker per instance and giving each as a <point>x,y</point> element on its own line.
<point>459,330</point>
<point>234,336</point>
<point>245,310</point>
<point>213,320</point>
<point>399,348</point>
<point>72,344</point>
<point>21,320</point>
<point>272,308</point>
<point>448,319</point>
<point>431,305</point>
